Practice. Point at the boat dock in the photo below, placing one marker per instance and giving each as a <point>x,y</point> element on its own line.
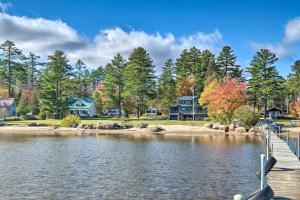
<point>284,178</point>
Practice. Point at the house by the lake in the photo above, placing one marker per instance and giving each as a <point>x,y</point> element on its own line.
<point>8,107</point>
<point>274,112</point>
<point>82,107</point>
<point>151,111</point>
<point>183,110</point>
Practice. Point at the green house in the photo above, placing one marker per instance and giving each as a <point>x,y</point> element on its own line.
<point>82,107</point>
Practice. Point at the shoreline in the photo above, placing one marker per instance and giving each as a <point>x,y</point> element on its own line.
<point>169,130</point>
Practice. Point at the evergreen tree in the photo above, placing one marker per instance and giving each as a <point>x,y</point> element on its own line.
<point>226,62</point>
<point>98,101</point>
<point>294,81</point>
<point>53,86</point>
<point>167,87</point>
<point>114,81</point>
<point>139,79</point>
<point>81,79</point>
<point>189,64</point>
<point>35,104</point>
<point>263,78</point>
<point>97,76</point>
<point>208,63</point>
<point>24,104</point>
<point>11,58</point>
<point>183,68</point>
<point>32,71</point>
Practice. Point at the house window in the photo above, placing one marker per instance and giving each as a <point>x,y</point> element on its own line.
<point>186,109</point>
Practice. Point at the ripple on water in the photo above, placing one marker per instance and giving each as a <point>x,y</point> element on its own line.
<point>127,168</point>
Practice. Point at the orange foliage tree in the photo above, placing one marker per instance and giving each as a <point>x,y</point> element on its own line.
<point>222,99</point>
<point>184,86</point>
<point>294,108</point>
<point>3,92</point>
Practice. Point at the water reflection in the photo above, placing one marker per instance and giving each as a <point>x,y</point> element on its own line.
<point>206,167</point>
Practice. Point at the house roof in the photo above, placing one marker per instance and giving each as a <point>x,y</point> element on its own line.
<point>151,108</point>
<point>6,103</point>
<point>187,97</point>
<point>274,109</point>
<point>86,101</point>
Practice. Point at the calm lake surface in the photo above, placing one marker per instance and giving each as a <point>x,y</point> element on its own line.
<point>126,168</point>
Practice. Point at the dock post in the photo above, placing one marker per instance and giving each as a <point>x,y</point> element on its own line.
<point>238,197</point>
<point>262,169</point>
<point>298,145</point>
<point>268,143</point>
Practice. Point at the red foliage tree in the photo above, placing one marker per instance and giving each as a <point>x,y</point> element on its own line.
<point>224,99</point>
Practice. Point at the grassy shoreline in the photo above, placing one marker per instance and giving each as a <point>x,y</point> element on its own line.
<point>56,122</point>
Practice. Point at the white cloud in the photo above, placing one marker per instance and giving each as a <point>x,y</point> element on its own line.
<point>292,31</point>
<point>4,6</point>
<point>284,48</point>
<point>43,36</point>
<point>280,49</point>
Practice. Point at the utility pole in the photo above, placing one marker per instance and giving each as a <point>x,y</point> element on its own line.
<point>193,88</point>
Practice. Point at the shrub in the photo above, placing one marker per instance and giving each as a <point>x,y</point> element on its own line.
<point>14,118</point>
<point>246,116</point>
<point>70,121</point>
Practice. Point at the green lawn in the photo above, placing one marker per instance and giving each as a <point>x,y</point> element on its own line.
<point>56,122</point>
<point>287,122</point>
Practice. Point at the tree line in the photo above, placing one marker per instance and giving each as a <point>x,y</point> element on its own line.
<point>132,84</point>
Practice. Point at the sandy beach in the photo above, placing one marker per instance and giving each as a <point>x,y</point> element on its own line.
<point>169,130</point>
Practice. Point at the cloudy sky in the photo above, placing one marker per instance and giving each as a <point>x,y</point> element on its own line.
<point>95,31</point>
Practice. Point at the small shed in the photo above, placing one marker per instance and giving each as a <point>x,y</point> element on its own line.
<point>274,112</point>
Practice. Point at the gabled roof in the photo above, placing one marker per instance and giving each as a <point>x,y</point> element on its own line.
<point>86,101</point>
<point>187,97</point>
<point>6,103</point>
<point>274,109</point>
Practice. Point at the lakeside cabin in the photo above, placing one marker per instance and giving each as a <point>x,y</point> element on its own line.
<point>151,111</point>
<point>183,110</point>
<point>8,108</point>
<point>275,112</point>
<point>82,107</point>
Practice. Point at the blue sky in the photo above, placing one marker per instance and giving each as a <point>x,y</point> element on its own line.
<point>244,25</point>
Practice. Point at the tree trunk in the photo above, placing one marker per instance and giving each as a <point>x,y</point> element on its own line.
<point>9,74</point>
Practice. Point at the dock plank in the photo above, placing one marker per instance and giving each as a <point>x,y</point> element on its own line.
<point>284,178</point>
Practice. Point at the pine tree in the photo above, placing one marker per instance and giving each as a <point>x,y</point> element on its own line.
<point>97,76</point>
<point>139,79</point>
<point>190,65</point>
<point>208,63</point>
<point>167,87</point>
<point>81,79</point>
<point>35,104</point>
<point>263,78</point>
<point>11,58</point>
<point>24,104</point>
<point>226,62</point>
<point>98,101</point>
<point>53,88</point>
<point>294,81</point>
<point>32,71</point>
<point>114,81</point>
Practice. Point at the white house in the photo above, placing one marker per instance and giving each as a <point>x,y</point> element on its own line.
<point>8,107</point>
<point>82,107</point>
<point>151,111</point>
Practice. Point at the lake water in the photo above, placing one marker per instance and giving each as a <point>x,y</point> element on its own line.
<point>128,168</point>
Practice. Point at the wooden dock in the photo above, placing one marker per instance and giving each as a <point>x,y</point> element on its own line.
<point>284,178</point>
